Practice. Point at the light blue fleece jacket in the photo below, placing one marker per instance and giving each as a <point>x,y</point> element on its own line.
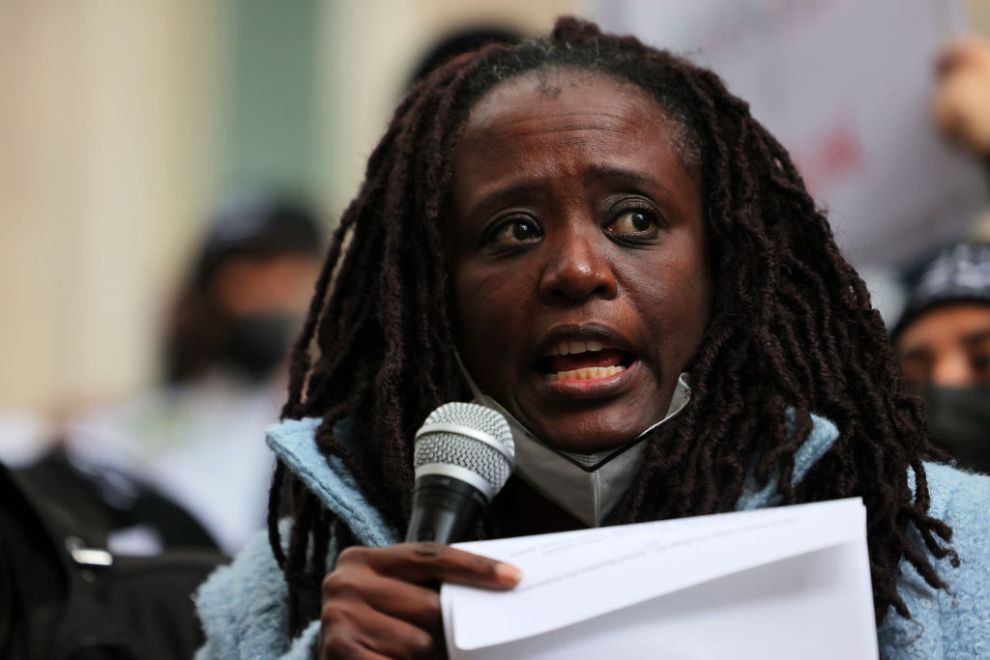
<point>243,606</point>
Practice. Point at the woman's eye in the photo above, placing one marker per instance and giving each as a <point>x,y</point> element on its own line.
<point>633,223</point>
<point>513,232</point>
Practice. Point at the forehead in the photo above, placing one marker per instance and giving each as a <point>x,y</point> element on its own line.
<point>551,118</point>
<point>575,99</point>
<point>544,88</point>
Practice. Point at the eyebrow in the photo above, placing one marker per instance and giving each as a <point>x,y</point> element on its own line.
<point>977,337</point>
<point>508,195</point>
<point>593,174</point>
<point>916,353</point>
<point>622,175</point>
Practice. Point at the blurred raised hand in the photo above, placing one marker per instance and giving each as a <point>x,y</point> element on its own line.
<point>961,108</point>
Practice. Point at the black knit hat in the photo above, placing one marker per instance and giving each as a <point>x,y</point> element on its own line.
<point>960,273</point>
<point>259,227</point>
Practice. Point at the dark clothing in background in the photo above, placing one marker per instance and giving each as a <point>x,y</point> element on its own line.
<point>60,600</point>
<point>109,501</point>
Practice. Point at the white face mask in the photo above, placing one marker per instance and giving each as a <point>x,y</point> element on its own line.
<point>588,486</point>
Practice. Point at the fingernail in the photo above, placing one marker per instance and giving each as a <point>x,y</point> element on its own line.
<point>508,573</point>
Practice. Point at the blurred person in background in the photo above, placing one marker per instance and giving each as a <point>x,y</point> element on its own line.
<point>943,343</point>
<point>193,437</point>
<point>942,337</point>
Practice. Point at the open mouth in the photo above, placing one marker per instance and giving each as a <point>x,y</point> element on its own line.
<point>577,360</point>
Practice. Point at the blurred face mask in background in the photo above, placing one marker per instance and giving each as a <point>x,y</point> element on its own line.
<point>960,420</point>
<point>258,343</point>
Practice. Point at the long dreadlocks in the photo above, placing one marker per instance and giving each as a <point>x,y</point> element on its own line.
<point>791,329</point>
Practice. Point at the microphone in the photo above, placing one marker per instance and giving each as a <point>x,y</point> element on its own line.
<point>463,455</point>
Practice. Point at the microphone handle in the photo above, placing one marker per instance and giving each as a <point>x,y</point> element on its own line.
<point>444,509</point>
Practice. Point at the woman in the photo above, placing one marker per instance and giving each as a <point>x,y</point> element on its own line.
<point>588,233</point>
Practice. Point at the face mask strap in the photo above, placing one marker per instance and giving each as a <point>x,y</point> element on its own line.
<point>682,394</point>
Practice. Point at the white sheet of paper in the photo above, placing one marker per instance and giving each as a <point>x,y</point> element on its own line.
<point>784,582</point>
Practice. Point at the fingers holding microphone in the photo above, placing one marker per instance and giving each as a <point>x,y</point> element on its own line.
<point>383,602</point>
<point>379,602</point>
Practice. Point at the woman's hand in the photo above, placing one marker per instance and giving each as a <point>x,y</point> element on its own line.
<point>383,602</point>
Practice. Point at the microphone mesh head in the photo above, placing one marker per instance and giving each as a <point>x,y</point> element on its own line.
<point>492,460</point>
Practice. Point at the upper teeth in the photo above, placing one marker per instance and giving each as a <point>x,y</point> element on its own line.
<point>568,347</point>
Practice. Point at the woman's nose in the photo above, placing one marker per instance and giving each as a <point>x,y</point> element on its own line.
<point>575,270</point>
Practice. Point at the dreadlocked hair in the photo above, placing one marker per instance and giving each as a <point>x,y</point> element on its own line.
<point>791,329</point>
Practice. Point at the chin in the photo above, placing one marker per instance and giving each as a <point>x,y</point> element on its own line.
<point>584,434</point>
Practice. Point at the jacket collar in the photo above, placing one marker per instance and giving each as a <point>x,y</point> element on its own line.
<point>823,435</point>
<point>294,443</point>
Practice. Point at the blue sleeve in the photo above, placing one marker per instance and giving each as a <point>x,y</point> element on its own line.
<point>243,610</point>
<point>965,607</point>
<point>952,622</point>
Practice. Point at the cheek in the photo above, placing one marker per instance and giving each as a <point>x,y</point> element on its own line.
<point>676,308</point>
<point>488,311</point>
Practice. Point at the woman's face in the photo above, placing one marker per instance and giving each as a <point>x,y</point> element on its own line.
<point>577,249</point>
